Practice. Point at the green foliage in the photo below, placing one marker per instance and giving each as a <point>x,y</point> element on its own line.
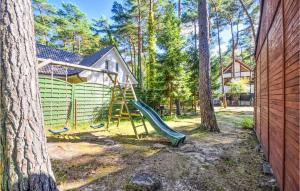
<point>74,30</point>
<point>247,123</point>
<point>215,76</point>
<point>103,25</point>
<point>171,74</point>
<point>238,86</point>
<point>151,62</point>
<point>44,16</point>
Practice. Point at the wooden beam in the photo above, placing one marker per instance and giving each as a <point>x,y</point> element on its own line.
<point>77,66</point>
<point>44,63</point>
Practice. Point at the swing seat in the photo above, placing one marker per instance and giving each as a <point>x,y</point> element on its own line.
<point>59,131</point>
<point>97,126</point>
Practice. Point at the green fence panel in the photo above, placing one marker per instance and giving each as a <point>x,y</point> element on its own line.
<point>58,99</point>
<point>92,101</point>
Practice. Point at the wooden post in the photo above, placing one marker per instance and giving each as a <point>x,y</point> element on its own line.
<point>75,114</point>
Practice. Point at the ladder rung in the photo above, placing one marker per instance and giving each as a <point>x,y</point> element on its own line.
<point>132,114</point>
<point>116,117</point>
<point>139,126</point>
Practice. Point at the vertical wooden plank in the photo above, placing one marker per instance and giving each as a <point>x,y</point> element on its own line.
<point>264,99</point>
<point>276,96</point>
<point>258,117</point>
<point>292,72</point>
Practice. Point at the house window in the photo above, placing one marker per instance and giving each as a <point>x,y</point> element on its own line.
<point>117,67</point>
<point>106,64</point>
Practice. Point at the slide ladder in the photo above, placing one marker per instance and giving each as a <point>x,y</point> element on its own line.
<point>122,94</point>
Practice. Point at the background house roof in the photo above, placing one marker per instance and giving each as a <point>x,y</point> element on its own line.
<point>240,62</point>
<point>47,52</point>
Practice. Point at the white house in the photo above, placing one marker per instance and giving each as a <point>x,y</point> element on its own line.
<point>107,58</point>
<point>238,71</point>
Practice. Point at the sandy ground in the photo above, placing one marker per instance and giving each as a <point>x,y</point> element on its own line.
<point>101,160</point>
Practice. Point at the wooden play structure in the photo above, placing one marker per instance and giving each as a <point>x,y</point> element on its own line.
<point>277,89</point>
<point>123,103</point>
<point>70,94</point>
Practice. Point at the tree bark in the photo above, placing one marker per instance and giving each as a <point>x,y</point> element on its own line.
<point>177,102</point>
<point>140,45</point>
<point>24,161</point>
<point>179,9</point>
<point>221,62</point>
<point>250,20</point>
<point>233,49</point>
<point>208,118</point>
<point>195,34</point>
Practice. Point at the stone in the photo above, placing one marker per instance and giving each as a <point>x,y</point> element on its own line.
<point>269,185</point>
<point>109,142</point>
<point>143,182</point>
<point>267,169</point>
<point>258,148</point>
<point>188,148</point>
<point>158,146</point>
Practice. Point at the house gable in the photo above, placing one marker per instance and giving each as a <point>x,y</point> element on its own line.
<point>113,58</point>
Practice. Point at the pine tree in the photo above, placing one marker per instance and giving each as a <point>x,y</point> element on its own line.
<point>151,62</point>
<point>44,16</point>
<point>75,31</point>
<point>171,69</point>
<point>103,25</point>
<point>208,118</point>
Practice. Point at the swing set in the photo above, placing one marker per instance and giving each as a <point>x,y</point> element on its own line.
<point>121,95</point>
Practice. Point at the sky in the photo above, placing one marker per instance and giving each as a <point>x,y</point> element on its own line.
<point>92,8</point>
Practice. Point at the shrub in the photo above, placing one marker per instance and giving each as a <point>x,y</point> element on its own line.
<point>247,123</point>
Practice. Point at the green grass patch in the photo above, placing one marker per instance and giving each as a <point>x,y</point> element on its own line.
<point>246,123</point>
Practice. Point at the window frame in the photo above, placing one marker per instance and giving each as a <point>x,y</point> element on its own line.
<point>117,67</point>
<point>106,65</point>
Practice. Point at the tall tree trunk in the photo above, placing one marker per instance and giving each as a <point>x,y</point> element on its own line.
<point>195,34</point>
<point>140,46</point>
<point>233,49</point>
<point>208,118</point>
<point>179,9</point>
<point>170,99</point>
<point>134,58</point>
<point>221,62</point>
<point>151,47</point>
<point>131,56</point>
<point>177,102</point>
<point>24,161</point>
<point>250,20</point>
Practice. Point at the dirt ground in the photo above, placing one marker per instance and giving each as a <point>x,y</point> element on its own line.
<point>100,160</point>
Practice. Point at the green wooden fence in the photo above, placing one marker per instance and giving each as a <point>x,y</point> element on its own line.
<point>58,101</point>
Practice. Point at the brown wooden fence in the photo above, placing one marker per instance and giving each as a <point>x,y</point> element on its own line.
<point>277,89</point>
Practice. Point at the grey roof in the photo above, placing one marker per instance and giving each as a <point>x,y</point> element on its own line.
<point>47,52</point>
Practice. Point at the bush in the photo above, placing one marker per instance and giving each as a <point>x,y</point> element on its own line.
<point>247,123</point>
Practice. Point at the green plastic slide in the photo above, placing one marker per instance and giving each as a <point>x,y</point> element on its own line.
<point>159,125</point>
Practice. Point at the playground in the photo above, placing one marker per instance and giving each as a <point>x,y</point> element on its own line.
<point>102,160</point>
<point>136,95</point>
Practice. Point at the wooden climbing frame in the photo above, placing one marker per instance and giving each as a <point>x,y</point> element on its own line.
<point>123,103</point>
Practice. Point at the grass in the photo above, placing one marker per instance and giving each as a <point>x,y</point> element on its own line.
<point>83,157</point>
<point>247,123</point>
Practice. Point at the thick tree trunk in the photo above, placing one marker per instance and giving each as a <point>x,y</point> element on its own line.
<point>208,118</point>
<point>24,161</point>
<point>221,63</point>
